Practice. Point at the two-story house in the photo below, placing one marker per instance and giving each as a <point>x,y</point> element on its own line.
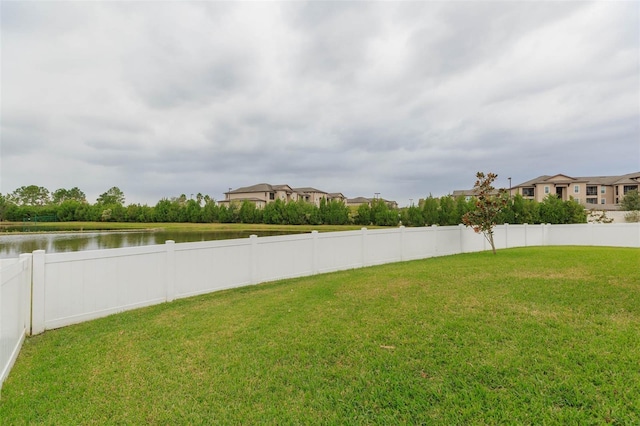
<point>357,201</point>
<point>264,193</point>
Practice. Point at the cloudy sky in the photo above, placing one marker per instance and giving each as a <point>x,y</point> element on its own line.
<point>162,98</point>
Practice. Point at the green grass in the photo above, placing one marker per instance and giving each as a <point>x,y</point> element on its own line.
<point>546,335</point>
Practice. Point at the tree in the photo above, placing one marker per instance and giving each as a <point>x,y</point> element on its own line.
<point>4,204</point>
<point>447,212</point>
<point>574,211</point>
<point>113,196</point>
<point>489,203</point>
<point>412,216</point>
<point>552,210</point>
<point>363,215</point>
<point>631,201</point>
<point>61,195</point>
<point>430,210</point>
<point>31,195</point>
<point>247,213</point>
<point>333,212</point>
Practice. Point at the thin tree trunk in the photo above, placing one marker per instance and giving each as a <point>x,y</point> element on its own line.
<point>493,246</point>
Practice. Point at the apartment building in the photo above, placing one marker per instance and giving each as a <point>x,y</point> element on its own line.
<point>264,193</point>
<point>592,191</point>
<point>356,202</point>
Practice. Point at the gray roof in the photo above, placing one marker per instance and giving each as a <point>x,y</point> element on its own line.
<point>308,189</point>
<point>358,200</point>
<point>261,187</point>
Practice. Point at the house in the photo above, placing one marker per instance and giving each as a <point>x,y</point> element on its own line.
<point>356,202</point>
<point>603,192</point>
<point>264,193</point>
<point>337,196</point>
<point>311,195</point>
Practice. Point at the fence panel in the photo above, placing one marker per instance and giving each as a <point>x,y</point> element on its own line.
<point>383,246</point>
<point>209,266</point>
<point>337,251</point>
<point>448,240</point>
<point>283,257</point>
<point>418,243</point>
<point>80,286</point>
<point>562,235</point>
<point>15,298</point>
<point>615,234</point>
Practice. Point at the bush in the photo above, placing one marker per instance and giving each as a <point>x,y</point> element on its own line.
<point>633,216</point>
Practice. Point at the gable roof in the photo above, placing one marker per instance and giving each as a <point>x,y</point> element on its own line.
<point>308,189</point>
<point>261,187</point>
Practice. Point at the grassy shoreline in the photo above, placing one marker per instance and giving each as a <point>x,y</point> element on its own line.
<point>544,335</point>
<point>44,227</point>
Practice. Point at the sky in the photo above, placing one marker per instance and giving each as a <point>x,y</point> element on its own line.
<point>403,99</point>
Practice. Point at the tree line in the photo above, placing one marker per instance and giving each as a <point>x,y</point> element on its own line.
<point>30,202</point>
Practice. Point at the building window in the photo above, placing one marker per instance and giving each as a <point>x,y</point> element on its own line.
<point>603,201</point>
<point>592,201</point>
<point>603,189</point>
<point>546,189</point>
<point>576,189</point>
<point>272,196</point>
<point>628,188</point>
<point>527,192</point>
<point>592,190</point>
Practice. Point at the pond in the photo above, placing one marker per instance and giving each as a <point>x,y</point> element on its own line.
<point>12,245</point>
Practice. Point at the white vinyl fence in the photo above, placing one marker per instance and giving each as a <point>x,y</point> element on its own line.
<point>43,291</point>
<point>15,299</point>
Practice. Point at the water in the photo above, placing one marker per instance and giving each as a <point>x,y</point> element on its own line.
<point>12,245</point>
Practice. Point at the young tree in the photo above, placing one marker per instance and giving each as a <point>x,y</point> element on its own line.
<point>489,203</point>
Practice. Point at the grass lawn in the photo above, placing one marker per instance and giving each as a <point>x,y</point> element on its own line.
<point>547,335</point>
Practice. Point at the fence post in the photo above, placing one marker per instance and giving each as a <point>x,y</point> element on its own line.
<point>171,270</point>
<point>526,230</point>
<point>253,259</point>
<point>37,292</point>
<point>314,252</point>
<point>26,259</point>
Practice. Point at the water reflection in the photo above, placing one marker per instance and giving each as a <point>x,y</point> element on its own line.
<point>14,245</point>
